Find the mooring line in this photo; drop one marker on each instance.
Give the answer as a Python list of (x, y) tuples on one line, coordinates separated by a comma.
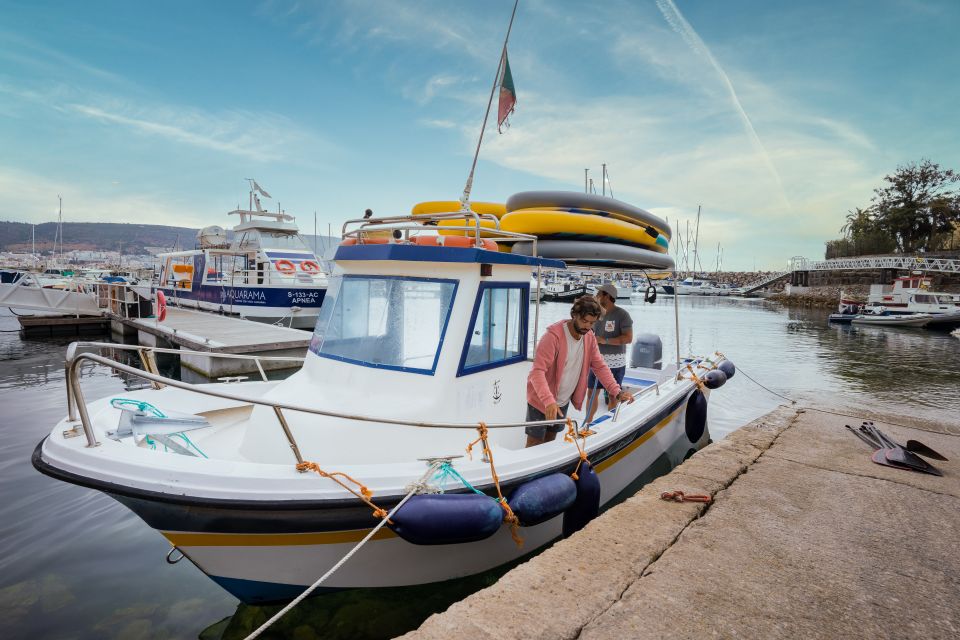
[(420, 484)]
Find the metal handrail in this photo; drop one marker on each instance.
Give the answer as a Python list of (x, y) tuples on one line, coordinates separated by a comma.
[(73, 383), (73, 346)]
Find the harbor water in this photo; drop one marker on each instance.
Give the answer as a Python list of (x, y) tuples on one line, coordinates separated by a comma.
[(76, 564)]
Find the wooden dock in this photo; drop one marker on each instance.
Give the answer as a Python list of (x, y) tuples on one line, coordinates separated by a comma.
[(212, 333)]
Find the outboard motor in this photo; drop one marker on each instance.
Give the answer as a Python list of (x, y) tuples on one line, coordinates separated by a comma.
[(647, 352)]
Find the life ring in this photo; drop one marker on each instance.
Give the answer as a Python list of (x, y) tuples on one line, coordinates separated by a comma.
[(310, 266), (161, 306), (462, 242), (285, 266)]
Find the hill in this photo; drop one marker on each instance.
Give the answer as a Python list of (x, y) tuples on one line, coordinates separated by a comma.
[(108, 236), (94, 236)]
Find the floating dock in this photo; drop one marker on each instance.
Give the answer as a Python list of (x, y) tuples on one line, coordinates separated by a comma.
[(41, 325), (806, 538), (212, 333)]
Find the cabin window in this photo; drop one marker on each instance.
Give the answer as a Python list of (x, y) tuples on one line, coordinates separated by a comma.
[(498, 328), (389, 322), (281, 240)]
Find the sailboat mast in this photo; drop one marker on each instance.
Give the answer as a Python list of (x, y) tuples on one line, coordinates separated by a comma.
[(696, 243)]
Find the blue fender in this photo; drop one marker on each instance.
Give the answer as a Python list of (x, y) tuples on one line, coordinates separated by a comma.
[(714, 379), (541, 499), (586, 507), (696, 416), (450, 518), (727, 367)]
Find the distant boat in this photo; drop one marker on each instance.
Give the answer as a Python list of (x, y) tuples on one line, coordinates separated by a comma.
[(891, 320), (909, 295), (562, 292), (267, 274)]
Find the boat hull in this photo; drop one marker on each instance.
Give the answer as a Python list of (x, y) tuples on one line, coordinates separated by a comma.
[(292, 307), (892, 321), (265, 551)]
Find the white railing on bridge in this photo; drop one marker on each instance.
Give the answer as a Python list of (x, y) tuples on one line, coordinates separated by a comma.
[(907, 263)]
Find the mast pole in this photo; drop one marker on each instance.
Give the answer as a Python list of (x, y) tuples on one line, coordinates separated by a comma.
[(603, 179), (696, 243), (586, 181), (465, 199)]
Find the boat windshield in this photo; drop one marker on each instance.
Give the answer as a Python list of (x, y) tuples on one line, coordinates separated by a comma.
[(388, 322), (280, 240)]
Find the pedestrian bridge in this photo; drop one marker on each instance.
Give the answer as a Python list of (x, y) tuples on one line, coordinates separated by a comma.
[(906, 263)]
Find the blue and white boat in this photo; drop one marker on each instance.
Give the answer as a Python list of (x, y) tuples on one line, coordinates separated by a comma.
[(422, 347), (267, 273)]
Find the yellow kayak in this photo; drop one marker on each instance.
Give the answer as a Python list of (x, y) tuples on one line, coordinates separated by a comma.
[(452, 206), (559, 225)]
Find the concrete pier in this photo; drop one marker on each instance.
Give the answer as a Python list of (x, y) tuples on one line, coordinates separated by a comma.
[(806, 538)]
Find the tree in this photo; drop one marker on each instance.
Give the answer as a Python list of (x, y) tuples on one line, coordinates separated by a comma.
[(917, 207)]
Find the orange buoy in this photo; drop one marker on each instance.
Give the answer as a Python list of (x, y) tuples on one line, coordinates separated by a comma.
[(161, 306), (310, 266), (285, 266)]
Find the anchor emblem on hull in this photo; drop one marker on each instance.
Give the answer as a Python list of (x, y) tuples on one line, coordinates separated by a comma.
[(496, 392)]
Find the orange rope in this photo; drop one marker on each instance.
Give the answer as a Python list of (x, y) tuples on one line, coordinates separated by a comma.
[(696, 379), (572, 436), (509, 517), (365, 494), (680, 496)]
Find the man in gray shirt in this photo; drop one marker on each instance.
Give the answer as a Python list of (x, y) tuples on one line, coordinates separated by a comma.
[(614, 331)]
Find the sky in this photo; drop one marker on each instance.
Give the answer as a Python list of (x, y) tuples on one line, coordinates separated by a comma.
[(775, 117)]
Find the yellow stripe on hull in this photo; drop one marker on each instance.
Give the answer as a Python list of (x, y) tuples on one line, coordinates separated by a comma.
[(633, 446), (543, 222), (271, 539)]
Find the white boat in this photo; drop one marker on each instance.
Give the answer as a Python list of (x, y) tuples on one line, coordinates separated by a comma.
[(892, 320), (267, 274), (417, 347), (910, 295), (696, 287)]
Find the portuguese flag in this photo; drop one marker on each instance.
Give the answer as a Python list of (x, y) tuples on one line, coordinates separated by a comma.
[(508, 96)]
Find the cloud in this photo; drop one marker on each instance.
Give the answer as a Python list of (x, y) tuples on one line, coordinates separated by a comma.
[(258, 136), (28, 197), (439, 124), (44, 60), (228, 137), (422, 94)]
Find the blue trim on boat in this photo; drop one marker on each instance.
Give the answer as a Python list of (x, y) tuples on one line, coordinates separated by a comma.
[(463, 370), (391, 367), (246, 297), (639, 381), (417, 253), (256, 592)]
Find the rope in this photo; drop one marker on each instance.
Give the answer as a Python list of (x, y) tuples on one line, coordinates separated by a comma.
[(510, 517), (680, 496), (833, 413), (365, 494), (790, 400), (418, 486), (696, 379), (447, 470), (574, 437)]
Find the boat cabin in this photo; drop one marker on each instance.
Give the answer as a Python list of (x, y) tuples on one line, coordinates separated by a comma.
[(414, 334)]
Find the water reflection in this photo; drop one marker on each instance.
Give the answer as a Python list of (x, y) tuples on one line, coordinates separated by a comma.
[(56, 540)]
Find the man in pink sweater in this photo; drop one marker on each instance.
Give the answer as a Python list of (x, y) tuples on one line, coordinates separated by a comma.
[(565, 355)]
